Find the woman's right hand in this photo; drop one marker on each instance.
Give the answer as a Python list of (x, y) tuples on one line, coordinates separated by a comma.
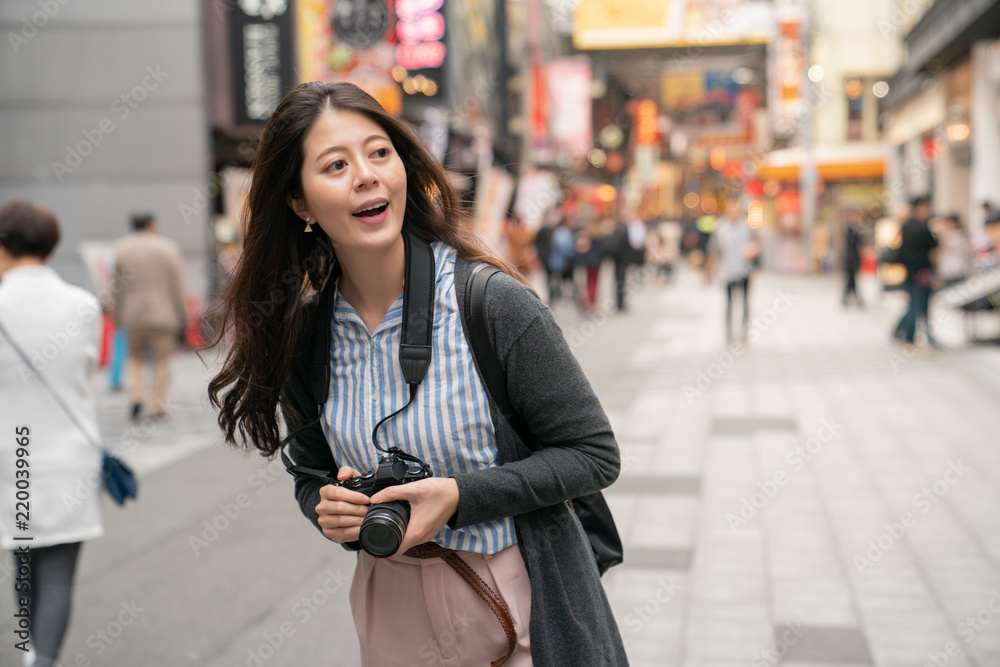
[(341, 510)]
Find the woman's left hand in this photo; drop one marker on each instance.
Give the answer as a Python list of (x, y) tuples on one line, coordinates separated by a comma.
[(432, 502)]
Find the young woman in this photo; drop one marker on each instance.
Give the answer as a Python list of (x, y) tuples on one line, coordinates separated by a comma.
[(338, 187)]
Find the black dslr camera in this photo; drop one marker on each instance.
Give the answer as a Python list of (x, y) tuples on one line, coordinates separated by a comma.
[(385, 524)]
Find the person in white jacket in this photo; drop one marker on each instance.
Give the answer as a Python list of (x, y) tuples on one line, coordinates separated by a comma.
[(50, 475)]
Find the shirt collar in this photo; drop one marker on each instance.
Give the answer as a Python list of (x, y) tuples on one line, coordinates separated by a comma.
[(29, 272), (343, 313)]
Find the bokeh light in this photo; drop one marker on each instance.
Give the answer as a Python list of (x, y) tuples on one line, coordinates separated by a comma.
[(597, 157), (755, 214), (607, 193)]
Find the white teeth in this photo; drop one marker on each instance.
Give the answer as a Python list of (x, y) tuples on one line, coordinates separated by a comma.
[(370, 208)]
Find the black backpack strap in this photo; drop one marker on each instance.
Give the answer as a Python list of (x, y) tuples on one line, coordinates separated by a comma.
[(319, 368), (418, 321), (482, 350), (592, 509)]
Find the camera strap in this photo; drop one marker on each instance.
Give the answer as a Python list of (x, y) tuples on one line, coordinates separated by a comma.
[(415, 340), (418, 326)]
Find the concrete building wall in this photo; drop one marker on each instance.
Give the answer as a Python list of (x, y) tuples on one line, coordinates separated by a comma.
[(985, 128), (851, 37), (951, 183), (103, 112)]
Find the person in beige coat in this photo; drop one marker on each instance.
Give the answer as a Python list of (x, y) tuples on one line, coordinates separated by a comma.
[(148, 291)]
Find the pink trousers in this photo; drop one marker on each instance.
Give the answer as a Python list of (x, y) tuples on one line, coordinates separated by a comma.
[(414, 612)]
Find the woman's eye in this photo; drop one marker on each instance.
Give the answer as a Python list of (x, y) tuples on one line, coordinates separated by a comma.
[(336, 165), (382, 152)]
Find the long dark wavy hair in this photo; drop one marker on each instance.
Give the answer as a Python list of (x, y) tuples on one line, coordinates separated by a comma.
[(261, 310)]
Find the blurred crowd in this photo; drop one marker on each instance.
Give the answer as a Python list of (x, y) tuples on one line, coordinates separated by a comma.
[(915, 250)]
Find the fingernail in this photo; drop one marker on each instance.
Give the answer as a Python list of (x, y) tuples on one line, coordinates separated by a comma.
[(376, 498)]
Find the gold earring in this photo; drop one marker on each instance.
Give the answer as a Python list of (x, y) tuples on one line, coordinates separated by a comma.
[(308, 225)]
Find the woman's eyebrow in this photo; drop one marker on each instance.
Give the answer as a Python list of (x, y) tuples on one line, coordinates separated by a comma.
[(333, 149)]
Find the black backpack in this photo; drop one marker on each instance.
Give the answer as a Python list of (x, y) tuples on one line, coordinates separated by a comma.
[(592, 509)]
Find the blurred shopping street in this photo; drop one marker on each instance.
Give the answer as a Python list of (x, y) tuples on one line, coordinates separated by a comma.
[(818, 497)]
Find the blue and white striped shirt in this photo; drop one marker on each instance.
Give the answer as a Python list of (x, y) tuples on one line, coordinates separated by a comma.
[(448, 425)]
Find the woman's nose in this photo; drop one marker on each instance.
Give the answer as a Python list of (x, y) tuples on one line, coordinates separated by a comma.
[(366, 174)]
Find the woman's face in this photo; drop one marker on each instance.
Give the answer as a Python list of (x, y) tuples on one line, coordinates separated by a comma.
[(353, 182)]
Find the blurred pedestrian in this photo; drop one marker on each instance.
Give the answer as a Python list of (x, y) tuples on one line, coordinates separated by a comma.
[(334, 205), (853, 242), (148, 290), (638, 232), (119, 353), (618, 248), (519, 243), (954, 252), (57, 326), (734, 248), (915, 245), (990, 214), (590, 243), (562, 262), (664, 246), (705, 226), (543, 248)]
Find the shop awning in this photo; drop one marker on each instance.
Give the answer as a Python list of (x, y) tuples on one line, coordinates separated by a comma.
[(851, 162)]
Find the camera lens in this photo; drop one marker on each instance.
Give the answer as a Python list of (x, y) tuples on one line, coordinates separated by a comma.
[(383, 528)]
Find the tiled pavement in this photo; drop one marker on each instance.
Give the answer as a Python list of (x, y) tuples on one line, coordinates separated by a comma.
[(819, 497)]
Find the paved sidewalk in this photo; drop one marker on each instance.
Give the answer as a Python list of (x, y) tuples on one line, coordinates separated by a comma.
[(190, 427), (816, 497)]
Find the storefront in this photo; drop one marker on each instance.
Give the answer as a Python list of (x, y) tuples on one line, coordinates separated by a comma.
[(848, 176)]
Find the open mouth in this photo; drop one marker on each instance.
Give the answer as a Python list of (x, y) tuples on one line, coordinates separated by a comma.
[(371, 211)]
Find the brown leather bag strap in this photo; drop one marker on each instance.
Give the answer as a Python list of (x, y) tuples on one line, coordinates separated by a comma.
[(482, 589)]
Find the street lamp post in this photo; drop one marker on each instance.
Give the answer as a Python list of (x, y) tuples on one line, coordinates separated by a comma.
[(807, 174)]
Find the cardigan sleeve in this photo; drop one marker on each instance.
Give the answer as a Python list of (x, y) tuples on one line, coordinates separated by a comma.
[(309, 447), (577, 453)]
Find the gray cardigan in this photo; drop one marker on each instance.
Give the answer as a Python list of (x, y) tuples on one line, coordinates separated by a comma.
[(571, 621)]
